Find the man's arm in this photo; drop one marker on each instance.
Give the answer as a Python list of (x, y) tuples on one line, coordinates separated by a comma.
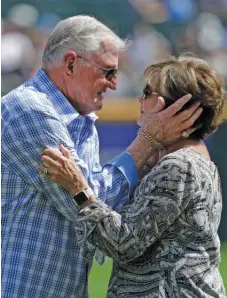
[(115, 181), (23, 141)]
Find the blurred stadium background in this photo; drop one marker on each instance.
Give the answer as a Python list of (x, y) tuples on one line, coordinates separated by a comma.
[(156, 28)]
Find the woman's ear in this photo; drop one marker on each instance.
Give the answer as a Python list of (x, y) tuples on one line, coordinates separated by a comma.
[(160, 105)]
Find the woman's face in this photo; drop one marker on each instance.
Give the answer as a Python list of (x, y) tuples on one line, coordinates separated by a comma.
[(148, 101)]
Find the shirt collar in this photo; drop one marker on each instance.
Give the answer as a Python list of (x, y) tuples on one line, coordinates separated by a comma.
[(58, 99)]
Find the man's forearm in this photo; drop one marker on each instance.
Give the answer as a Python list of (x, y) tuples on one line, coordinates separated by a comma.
[(140, 150)]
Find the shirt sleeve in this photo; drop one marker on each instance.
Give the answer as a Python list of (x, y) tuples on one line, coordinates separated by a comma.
[(158, 201), (23, 141), (114, 182)]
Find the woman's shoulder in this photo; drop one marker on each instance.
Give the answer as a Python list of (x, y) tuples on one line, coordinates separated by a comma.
[(173, 173), (184, 166), (186, 158), (181, 159)]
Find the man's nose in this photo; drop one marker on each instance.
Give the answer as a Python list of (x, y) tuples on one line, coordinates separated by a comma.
[(112, 83), (140, 99)]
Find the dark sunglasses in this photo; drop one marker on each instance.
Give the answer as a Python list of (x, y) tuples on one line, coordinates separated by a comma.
[(147, 92), (109, 73)]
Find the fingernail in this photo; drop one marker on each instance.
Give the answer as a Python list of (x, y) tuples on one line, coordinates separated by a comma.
[(189, 96)]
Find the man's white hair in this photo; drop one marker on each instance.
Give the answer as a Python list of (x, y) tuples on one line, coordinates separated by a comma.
[(82, 34)]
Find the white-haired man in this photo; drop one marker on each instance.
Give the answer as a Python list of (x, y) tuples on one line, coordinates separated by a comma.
[(41, 252)]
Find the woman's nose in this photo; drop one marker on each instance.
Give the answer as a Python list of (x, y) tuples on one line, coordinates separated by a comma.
[(140, 98)]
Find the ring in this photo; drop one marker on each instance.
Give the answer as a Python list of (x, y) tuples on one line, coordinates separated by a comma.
[(185, 134), (45, 171), (45, 165)]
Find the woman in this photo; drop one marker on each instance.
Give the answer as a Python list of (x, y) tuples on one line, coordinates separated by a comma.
[(164, 243)]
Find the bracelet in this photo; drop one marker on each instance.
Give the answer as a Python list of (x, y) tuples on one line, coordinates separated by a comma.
[(152, 142)]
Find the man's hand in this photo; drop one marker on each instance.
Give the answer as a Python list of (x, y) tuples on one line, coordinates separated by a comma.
[(62, 169), (166, 126)]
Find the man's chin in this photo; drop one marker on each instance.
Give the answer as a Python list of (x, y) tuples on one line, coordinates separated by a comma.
[(98, 104)]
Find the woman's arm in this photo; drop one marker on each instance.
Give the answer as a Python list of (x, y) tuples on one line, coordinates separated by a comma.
[(159, 199)]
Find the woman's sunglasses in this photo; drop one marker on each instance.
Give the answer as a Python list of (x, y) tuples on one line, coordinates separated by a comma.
[(147, 92)]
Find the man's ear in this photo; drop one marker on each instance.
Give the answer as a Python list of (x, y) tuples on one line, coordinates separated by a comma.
[(70, 67), (69, 59)]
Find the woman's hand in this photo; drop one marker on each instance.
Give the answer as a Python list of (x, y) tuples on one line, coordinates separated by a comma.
[(62, 169)]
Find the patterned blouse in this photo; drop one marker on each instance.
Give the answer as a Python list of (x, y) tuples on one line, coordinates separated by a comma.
[(164, 243)]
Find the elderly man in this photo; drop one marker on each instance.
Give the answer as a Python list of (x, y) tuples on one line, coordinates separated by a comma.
[(41, 252)]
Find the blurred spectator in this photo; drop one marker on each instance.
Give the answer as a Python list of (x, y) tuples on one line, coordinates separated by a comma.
[(183, 12), (162, 27), (17, 52)]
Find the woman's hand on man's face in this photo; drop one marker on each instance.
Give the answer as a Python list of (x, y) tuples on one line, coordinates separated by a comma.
[(61, 168)]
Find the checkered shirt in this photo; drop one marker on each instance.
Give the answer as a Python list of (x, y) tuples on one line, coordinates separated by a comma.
[(42, 255)]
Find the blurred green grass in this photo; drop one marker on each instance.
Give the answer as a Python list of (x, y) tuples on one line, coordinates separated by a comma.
[(99, 275)]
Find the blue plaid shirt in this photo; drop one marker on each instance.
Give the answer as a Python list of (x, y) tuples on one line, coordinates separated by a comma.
[(42, 255)]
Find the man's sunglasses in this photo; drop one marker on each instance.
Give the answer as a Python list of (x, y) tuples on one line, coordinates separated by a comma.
[(147, 92), (109, 73)]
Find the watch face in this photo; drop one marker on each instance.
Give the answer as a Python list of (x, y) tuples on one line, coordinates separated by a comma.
[(80, 198)]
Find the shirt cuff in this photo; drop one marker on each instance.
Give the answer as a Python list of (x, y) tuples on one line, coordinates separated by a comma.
[(125, 163)]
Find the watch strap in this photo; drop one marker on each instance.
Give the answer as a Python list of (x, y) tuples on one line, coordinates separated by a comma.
[(83, 196)]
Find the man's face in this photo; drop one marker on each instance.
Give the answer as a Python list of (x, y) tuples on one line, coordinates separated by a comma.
[(90, 79)]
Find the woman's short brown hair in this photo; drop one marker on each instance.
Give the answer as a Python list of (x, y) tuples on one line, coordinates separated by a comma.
[(176, 77)]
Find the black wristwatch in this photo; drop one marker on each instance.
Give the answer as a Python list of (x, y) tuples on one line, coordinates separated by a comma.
[(83, 196)]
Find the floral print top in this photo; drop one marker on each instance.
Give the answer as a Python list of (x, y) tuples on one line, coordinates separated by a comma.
[(164, 243)]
